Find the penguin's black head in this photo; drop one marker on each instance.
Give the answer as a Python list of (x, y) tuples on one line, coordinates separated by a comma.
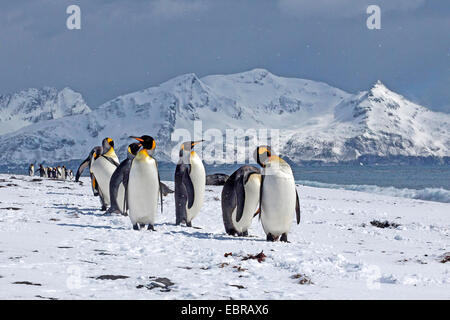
[(107, 144), (96, 152), (188, 146), (262, 154), (147, 142), (134, 148)]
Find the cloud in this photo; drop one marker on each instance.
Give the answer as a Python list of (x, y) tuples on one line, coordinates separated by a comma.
[(343, 8), (168, 9)]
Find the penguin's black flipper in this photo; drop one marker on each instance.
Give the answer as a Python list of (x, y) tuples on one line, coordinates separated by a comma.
[(81, 168), (159, 184), (261, 195), (297, 206), (114, 184), (94, 186), (180, 194), (126, 178), (240, 196), (228, 203), (189, 186)]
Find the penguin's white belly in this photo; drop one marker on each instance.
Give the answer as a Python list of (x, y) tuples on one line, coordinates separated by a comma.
[(198, 178), (103, 170), (250, 205), (121, 196), (277, 204), (143, 191)]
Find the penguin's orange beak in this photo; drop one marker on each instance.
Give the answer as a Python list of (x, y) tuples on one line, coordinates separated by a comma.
[(137, 138)]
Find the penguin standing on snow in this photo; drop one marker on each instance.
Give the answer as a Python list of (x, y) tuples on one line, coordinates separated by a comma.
[(70, 174), (240, 199), (31, 170), (59, 173), (190, 180), (102, 168), (87, 163), (119, 181), (278, 195), (42, 171), (144, 186)]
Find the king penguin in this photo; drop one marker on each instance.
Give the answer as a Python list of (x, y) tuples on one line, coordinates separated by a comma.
[(240, 199), (31, 170), (144, 186), (102, 168), (119, 181), (87, 163), (42, 171), (278, 195), (190, 181)]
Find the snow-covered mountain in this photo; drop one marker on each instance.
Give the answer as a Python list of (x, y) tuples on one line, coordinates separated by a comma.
[(378, 122), (30, 106), (315, 121)]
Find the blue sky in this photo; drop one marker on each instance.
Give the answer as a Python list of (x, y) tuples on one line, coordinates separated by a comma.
[(124, 46)]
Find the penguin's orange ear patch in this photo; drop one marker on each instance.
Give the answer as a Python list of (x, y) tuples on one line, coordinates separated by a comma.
[(263, 150), (153, 145)]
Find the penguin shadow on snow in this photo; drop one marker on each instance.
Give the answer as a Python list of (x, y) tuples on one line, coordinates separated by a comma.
[(76, 210), (90, 226), (214, 236)]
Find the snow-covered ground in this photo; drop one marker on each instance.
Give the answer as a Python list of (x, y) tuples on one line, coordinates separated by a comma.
[(55, 243)]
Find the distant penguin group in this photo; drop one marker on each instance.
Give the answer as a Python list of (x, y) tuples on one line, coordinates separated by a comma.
[(59, 172), (133, 187)]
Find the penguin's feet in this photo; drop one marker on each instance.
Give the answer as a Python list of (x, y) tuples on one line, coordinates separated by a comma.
[(136, 227), (270, 237), (103, 208), (284, 238), (245, 233), (188, 224), (112, 210), (150, 227)]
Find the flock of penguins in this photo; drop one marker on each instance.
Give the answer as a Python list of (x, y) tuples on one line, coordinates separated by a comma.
[(133, 188), (60, 173)]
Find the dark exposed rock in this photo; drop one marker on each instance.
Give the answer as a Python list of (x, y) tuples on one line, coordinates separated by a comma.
[(445, 257), (48, 298), (165, 189), (163, 284), (260, 257), (384, 224), (111, 277), (28, 283), (217, 179), (303, 279)]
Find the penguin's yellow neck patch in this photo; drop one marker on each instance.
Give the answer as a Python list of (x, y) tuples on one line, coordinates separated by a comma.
[(193, 153), (276, 159), (110, 153), (143, 154)]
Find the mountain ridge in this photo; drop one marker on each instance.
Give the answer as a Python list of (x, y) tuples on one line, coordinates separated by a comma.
[(317, 122)]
